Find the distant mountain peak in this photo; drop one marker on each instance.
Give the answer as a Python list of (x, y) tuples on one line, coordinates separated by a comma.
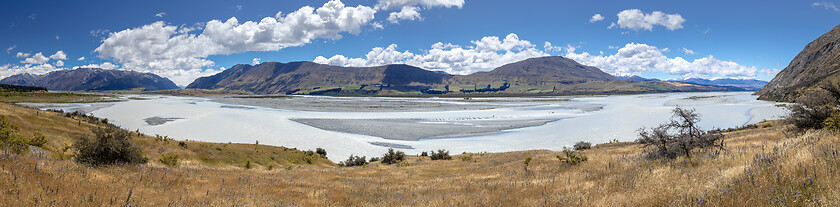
[(87, 79)]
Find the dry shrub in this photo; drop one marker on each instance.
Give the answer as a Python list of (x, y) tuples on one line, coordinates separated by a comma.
[(679, 136)]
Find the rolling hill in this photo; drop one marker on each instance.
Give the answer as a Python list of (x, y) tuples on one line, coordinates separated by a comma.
[(818, 63)]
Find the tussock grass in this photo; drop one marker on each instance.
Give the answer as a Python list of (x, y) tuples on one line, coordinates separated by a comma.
[(762, 166)]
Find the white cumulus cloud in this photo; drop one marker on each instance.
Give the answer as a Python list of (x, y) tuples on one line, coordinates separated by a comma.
[(59, 63), (633, 59), (36, 59), (160, 14), (9, 51), (9, 70), (81, 58), (159, 47), (485, 54), (636, 19), (255, 61), (410, 9), (105, 65), (60, 55), (22, 55), (826, 5), (688, 52), (407, 13), (595, 18), (387, 5)]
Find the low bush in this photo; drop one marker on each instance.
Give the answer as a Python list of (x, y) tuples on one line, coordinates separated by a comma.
[(811, 110), (582, 145), (38, 139), (169, 159), (354, 161), (424, 154), (527, 162), (374, 159), (10, 140), (440, 155), (110, 145), (572, 157), (248, 164), (393, 157), (321, 151), (182, 144)]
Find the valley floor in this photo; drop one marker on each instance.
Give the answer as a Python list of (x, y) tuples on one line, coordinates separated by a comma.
[(762, 166)]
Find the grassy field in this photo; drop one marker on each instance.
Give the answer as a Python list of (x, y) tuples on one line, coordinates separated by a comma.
[(764, 166), (54, 97)]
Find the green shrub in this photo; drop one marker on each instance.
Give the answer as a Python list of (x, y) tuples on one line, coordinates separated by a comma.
[(393, 157), (321, 151), (355, 161), (248, 164), (572, 157), (832, 123), (10, 140), (424, 154), (582, 145), (440, 155), (374, 159), (182, 144), (811, 110), (169, 159), (110, 145), (527, 162), (38, 139)]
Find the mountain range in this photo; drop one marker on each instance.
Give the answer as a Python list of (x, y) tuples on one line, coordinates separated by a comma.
[(749, 84), (91, 79), (817, 64), (542, 75)]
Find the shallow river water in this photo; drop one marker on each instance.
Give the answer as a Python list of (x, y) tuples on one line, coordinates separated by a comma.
[(343, 127)]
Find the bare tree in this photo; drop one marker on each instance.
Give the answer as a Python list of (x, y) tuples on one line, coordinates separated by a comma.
[(679, 136)]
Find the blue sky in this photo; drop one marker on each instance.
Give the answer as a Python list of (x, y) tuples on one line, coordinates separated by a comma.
[(183, 40)]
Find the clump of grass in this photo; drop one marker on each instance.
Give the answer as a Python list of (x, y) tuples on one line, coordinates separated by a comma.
[(169, 159), (110, 145)]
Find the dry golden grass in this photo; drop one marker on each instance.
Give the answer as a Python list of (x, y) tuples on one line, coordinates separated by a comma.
[(53, 97), (762, 167)]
